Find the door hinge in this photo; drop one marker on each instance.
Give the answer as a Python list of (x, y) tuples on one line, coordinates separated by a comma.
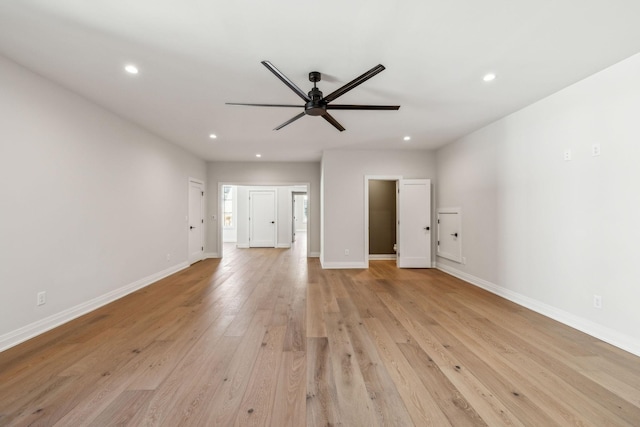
[(438, 221), (202, 193), (202, 248), (438, 242)]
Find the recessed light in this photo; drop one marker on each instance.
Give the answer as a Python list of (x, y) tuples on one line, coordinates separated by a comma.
[(131, 69), (213, 136), (258, 155), (407, 138), (489, 77)]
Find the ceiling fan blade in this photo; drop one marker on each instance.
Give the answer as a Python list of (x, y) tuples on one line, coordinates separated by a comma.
[(286, 81), (290, 121), (328, 117), (264, 105), (355, 82), (362, 107)]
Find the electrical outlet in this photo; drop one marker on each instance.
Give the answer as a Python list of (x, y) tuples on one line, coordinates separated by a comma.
[(595, 150), (346, 251), (567, 155), (597, 301), (42, 298)]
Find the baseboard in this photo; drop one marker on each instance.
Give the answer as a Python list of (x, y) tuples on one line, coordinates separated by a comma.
[(283, 245), (343, 265), (208, 255), (34, 329), (313, 255), (596, 330), (374, 257), (242, 246)]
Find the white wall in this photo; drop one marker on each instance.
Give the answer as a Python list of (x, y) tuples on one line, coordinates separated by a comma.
[(550, 233), (263, 173), (90, 205), (343, 175)]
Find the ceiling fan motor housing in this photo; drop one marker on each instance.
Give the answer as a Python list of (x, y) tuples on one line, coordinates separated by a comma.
[(315, 76), (317, 106)]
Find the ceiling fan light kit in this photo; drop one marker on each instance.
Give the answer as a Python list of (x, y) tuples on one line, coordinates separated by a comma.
[(317, 105)]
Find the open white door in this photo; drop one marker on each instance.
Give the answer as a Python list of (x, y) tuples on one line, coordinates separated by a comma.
[(196, 221), (262, 219), (414, 223)]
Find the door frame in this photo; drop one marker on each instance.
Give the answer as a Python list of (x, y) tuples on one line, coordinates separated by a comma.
[(368, 178), (202, 216), (219, 206)]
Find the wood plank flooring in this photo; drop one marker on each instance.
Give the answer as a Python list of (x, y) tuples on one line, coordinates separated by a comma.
[(266, 337)]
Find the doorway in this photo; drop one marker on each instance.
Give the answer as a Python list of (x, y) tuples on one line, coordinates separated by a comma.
[(241, 211), (412, 222), (382, 219)]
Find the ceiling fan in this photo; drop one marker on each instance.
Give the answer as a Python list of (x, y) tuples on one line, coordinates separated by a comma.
[(315, 103)]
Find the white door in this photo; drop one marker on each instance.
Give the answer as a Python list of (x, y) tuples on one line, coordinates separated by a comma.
[(196, 221), (262, 219), (414, 223)]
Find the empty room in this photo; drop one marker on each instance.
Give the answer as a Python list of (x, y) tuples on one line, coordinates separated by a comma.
[(292, 213)]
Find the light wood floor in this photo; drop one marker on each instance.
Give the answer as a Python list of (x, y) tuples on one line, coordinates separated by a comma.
[(265, 337)]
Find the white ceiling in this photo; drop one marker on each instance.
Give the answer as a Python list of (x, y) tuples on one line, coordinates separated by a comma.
[(195, 55)]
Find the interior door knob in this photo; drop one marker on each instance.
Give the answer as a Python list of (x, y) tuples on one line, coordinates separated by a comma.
[(454, 234), (427, 228), (273, 222), (191, 227)]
